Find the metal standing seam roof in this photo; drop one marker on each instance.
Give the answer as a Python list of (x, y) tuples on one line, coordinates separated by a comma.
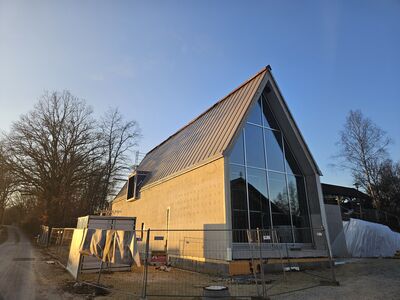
[(205, 137)]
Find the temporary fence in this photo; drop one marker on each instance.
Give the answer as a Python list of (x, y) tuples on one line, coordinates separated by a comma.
[(58, 241), (242, 263), (44, 235)]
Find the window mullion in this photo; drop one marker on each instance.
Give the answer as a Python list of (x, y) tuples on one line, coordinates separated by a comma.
[(247, 184), (287, 188), (266, 166)]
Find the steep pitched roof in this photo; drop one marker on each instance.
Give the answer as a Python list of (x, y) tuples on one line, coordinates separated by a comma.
[(209, 136), (205, 137)]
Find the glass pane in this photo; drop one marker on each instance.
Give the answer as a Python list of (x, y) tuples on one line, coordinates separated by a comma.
[(279, 199), (274, 150), (237, 153), (280, 206), (239, 225), (255, 114), (254, 146), (298, 205), (238, 187), (255, 220), (268, 117), (266, 219), (291, 164), (257, 187)]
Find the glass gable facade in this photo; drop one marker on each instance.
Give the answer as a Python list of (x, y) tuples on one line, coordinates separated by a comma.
[(267, 185)]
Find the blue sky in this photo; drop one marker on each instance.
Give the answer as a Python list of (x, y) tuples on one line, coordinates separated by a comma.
[(164, 62)]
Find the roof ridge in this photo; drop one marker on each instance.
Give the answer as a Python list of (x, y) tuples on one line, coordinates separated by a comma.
[(266, 68)]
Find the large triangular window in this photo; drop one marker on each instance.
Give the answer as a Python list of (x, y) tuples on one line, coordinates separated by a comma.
[(267, 185)]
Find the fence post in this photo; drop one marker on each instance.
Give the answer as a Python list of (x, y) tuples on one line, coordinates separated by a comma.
[(48, 236), (60, 241), (261, 264), (334, 281), (146, 266), (101, 268), (251, 248)]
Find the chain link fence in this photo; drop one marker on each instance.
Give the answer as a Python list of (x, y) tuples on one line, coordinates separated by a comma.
[(239, 263)]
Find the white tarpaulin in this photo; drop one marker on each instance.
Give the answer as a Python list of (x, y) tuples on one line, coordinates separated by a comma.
[(367, 239), (115, 246)]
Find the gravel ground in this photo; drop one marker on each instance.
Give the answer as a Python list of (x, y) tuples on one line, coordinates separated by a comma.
[(359, 279)]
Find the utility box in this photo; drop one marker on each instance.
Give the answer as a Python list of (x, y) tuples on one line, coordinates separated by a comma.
[(78, 263)]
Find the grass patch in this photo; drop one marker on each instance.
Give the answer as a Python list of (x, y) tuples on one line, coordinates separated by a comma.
[(3, 234)]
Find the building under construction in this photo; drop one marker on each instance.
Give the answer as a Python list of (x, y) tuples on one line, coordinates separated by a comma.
[(242, 164)]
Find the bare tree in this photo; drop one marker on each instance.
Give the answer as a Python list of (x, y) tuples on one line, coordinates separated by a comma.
[(389, 186), (65, 162), (51, 148), (7, 183), (363, 148), (118, 138)]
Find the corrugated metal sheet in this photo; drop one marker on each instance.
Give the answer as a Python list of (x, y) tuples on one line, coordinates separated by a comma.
[(205, 137)]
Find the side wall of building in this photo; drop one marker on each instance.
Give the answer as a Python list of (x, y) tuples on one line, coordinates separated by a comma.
[(195, 200)]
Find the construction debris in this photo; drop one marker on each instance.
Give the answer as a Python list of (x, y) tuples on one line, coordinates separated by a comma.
[(164, 268)]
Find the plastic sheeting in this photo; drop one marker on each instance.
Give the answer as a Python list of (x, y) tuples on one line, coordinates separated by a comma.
[(124, 249), (367, 239), (115, 246)]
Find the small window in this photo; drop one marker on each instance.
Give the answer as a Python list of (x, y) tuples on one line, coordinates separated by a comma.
[(131, 186), (135, 182)]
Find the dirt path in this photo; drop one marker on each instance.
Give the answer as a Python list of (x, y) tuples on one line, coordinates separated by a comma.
[(24, 273), (17, 281)]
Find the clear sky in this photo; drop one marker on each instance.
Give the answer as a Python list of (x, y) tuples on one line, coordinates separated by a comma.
[(164, 62)]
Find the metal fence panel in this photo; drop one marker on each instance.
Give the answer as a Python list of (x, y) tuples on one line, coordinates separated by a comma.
[(181, 263)]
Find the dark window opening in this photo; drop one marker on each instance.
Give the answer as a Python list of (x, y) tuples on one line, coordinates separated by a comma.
[(135, 182)]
